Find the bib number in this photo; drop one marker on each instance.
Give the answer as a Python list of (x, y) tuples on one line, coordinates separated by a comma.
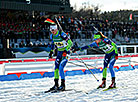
[(106, 48), (61, 44)]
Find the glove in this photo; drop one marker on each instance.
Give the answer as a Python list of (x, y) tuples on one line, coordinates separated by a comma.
[(74, 49), (64, 53), (51, 54), (116, 56)]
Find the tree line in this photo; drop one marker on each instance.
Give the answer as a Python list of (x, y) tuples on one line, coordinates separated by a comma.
[(95, 13)]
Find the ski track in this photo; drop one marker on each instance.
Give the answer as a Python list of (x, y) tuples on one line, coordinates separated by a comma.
[(83, 89)]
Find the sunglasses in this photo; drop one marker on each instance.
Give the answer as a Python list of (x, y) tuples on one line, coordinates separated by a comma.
[(52, 30)]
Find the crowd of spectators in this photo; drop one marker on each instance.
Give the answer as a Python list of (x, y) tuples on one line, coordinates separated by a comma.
[(26, 26)]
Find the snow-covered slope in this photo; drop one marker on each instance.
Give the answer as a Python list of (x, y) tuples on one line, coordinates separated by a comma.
[(83, 89)]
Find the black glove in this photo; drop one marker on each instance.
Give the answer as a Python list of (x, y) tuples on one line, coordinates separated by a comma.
[(51, 54)]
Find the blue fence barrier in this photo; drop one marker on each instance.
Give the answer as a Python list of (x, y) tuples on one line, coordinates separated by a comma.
[(67, 73)]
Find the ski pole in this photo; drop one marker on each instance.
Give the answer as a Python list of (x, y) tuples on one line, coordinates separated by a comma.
[(97, 50), (81, 65), (76, 64), (59, 25), (95, 28), (87, 66), (77, 54)]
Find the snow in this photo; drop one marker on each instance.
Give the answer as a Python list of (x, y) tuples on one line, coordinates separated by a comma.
[(83, 89)]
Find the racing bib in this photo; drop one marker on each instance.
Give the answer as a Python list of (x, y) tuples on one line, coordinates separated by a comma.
[(61, 44), (106, 47)]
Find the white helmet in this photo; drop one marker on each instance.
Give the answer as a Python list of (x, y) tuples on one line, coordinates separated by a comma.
[(53, 27)]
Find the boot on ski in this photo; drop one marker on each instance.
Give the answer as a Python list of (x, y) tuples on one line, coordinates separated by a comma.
[(62, 86), (103, 85), (113, 84), (55, 87)]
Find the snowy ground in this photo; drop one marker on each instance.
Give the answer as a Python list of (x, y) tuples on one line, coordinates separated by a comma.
[(83, 89)]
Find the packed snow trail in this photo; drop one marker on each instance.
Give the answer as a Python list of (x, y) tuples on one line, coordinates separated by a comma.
[(83, 89)]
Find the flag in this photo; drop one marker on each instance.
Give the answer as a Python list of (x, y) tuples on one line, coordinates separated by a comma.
[(130, 17), (49, 21)]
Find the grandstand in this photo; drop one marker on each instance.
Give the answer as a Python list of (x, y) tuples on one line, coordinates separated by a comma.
[(23, 21), (22, 25)]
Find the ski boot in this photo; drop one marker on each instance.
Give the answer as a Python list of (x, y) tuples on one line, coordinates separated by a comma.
[(55, 87), (103, 85), (62, 86), (113, 84)]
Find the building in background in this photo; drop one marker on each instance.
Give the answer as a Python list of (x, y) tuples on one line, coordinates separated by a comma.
[(48, 6)]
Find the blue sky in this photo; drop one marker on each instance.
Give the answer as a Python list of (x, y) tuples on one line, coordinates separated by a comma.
[(108, 5)]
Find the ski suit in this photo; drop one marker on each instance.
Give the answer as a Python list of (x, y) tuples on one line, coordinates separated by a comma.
[(63, 43), (110, 49)]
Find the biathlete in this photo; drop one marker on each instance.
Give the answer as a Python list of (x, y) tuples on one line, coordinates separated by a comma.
[(111, 55), (63, 43)]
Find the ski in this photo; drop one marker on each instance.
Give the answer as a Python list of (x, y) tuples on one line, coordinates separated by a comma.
[(110, 89), (93, 91), (56, 91), (49, 91)]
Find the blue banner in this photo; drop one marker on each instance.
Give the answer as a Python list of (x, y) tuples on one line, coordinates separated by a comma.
[(32, 49)]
